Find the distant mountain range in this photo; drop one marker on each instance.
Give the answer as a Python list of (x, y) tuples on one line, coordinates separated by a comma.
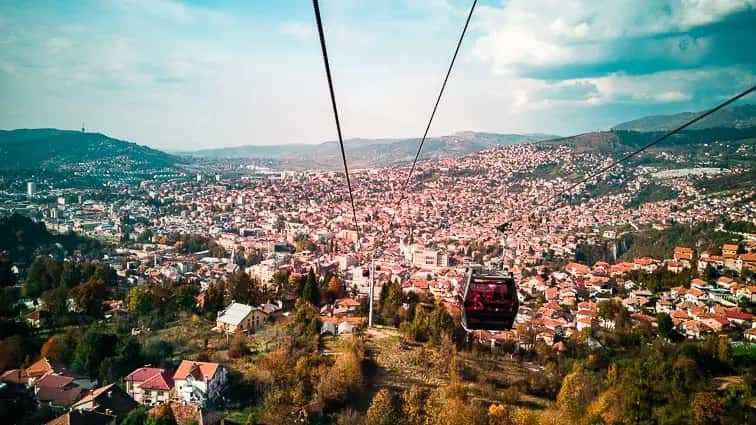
[(31, 149), (367, 153), (51, 149), (733, 117)]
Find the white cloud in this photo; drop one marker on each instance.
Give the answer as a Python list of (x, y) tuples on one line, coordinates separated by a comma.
[(527, 33), (298, 30)]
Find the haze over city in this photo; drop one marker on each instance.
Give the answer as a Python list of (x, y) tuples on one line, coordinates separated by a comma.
[(196, 74)]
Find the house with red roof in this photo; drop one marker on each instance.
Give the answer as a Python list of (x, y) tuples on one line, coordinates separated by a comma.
[(683, 253), (149, 385), (739, 318), (695, 295), (577, 269), (197, 382), (646, 264)]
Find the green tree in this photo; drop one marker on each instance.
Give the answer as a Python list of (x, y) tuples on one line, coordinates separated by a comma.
[(137, 416), (44, 274), (311, 292), (56, 303), (214, 298), (666, 326), (242, 289), (70, 275), (186, 297), (7, 278), (93, 347)]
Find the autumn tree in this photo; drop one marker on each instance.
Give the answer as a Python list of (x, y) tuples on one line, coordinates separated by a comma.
[(162, 415), (335, 289), (724, 350), (456, 411), (498, 414), (138, 300), (238, 346), (577, 391), (89, 296), (349, 417), (706, 408), (383, 409), (414, 401), (52, 348), (345, 377)]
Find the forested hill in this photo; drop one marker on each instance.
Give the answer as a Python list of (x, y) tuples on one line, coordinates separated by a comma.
[(22, 238), (32, 149), (733, 117)]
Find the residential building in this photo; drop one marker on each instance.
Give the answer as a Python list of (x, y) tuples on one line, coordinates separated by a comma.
[(198, 382), (149, 385), (240, 317)]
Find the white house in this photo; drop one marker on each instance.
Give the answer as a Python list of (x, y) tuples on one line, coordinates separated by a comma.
[(198, 382), (240, 317)]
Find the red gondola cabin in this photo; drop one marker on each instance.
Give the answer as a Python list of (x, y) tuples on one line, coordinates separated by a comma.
[(490, 301)]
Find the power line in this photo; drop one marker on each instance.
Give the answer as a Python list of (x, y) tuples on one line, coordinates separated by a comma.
[(430, 121), (655, 142), (323, 49)]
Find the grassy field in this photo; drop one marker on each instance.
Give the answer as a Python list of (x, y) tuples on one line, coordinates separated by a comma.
[(744, 349), (394, 363), (400, 364)]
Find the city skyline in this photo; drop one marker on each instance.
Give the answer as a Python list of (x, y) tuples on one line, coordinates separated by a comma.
[(191, 75)]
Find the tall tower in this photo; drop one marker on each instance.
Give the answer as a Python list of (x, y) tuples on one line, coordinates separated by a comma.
[(82, 128), (31, 189)]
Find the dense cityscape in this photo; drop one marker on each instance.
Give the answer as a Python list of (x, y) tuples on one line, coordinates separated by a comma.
[(446, 212), (233, 250)]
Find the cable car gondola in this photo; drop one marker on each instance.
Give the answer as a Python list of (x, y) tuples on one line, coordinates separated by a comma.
[(490, 300)]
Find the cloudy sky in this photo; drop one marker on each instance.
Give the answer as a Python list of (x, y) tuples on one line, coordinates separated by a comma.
[(182, 75)]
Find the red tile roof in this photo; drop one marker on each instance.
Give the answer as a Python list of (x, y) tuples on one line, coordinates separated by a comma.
[(201, 370)]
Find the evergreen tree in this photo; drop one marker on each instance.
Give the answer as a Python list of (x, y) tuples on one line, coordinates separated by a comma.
[(666, 327), (311, 292)]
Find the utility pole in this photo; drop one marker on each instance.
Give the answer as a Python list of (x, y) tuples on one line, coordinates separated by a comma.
[(370, 296)]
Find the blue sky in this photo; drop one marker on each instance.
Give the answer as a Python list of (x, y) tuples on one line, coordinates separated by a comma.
[(185, 75)]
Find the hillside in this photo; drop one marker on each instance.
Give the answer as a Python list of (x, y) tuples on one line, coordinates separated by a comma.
[(734, 117), (22, 238), (31, 149), (363, 153)]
